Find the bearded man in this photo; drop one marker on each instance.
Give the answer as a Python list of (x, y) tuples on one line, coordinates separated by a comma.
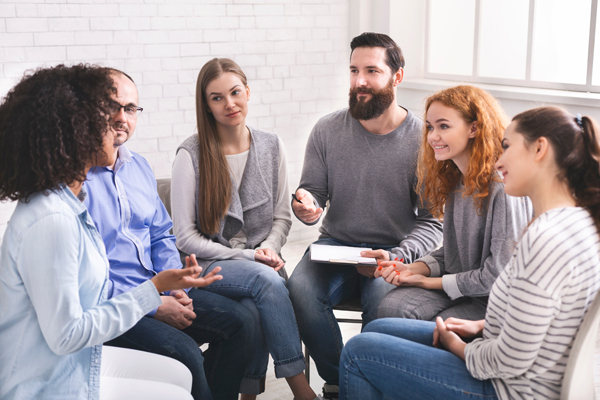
[(362, 162)]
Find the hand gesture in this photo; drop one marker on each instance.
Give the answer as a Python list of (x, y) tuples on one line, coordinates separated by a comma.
[(305, 208), (172, 279), (269, 257)]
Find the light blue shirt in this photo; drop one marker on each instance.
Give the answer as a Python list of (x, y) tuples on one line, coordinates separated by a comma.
[(54, 315), (132, 221)]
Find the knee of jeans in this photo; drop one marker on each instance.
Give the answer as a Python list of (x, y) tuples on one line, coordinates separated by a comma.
[(272, 280)]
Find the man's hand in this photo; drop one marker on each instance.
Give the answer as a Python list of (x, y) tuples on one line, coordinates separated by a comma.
[(369, 270), (174, 313), (445, 339), (305, 208), (269, 257), (182, 298)]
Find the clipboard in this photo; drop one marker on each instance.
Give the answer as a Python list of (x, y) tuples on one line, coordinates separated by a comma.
[(322, 253)]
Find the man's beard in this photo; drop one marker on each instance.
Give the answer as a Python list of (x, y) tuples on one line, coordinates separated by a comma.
[(366, 110), (120, 140)]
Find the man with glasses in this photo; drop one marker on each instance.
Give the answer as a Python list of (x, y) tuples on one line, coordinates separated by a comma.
[(135, 227)]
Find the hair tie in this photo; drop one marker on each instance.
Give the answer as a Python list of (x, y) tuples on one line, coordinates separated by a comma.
[(579, 121)]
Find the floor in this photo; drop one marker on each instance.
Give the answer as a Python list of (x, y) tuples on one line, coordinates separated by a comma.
[(277, 389)]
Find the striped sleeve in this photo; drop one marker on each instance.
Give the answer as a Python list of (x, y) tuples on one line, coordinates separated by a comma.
[(530, 311)]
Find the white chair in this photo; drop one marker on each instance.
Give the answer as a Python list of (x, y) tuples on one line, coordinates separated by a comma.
[(578, 382), (127, 374)]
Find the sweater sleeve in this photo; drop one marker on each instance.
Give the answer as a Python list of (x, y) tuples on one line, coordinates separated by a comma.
[(435, 262), (314, 171), (508, 217), (282, 215), (425, 235), (183, 210), (529, 314)]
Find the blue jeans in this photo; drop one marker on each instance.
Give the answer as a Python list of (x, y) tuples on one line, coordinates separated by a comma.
[(277, 333), (314, 289), (223, 323), (394, 359)]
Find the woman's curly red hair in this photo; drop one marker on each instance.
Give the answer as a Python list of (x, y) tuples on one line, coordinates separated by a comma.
[(437, 179)]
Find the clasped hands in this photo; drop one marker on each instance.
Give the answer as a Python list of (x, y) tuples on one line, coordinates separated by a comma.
[(269, 257), (449, 334)]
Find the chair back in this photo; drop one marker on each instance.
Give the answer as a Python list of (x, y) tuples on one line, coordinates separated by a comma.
[(578, 381), (163, 186)]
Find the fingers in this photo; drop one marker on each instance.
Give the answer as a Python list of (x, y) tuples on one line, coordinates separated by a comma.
[(436, 337), (380, 255), (261, 257), (213, 272), (190, 261), (439, 323)]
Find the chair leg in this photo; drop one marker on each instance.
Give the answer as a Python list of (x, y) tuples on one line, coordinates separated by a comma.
[(307, 361)]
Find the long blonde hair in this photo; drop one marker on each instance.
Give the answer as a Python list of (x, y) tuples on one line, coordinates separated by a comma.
[(214, 194), (437, 179)]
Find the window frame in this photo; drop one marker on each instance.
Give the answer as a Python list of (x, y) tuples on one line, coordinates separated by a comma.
[(527, 82)]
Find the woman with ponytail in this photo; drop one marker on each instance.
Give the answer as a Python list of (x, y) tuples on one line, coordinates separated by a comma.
[(231, 208), (537, 303), (458, 180)]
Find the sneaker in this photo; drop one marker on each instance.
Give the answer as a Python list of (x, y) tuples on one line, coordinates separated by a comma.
[(330, 392)]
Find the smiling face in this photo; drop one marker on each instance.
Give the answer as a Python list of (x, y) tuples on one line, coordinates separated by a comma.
[(372, 84), (127, 95), (449, 134), (517, 162), (227, 98)]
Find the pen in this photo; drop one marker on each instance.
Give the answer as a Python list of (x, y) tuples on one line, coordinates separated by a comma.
[(295, 198)]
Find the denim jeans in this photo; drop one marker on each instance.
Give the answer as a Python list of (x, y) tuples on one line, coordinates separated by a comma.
[(243, 280), (314, 289), (223, 323), (394, 359)]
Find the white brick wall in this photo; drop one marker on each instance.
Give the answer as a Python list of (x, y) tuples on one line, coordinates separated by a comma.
[(295, 53)]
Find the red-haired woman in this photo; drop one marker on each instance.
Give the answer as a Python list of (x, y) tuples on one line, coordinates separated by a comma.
[(538, 302), (457, 179)]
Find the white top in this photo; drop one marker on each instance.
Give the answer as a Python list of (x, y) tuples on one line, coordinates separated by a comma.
[(183, 206), (537, 305)]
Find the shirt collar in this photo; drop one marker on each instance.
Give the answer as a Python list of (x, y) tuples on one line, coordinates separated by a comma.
[(124, 156), (68, 197)]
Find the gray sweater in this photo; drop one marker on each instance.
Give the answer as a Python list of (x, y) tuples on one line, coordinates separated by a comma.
[(369, 181), (476, 248)]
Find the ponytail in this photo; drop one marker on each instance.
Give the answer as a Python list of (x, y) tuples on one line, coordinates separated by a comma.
[(576, 148), (585, 181)]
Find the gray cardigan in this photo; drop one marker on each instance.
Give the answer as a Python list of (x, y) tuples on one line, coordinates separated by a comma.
[(251, 208), (476, 248)]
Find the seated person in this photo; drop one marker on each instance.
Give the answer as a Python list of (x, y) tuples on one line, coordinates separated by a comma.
[(54, 307), (458, 180), (135, 227), (230, 208), (522, 347), (360, 162)]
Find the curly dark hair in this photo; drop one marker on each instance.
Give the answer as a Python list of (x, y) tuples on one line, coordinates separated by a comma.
[(51, 126)]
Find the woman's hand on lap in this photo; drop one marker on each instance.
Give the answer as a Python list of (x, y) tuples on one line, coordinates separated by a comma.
[(465, 328), (269, 257), (445, 339)]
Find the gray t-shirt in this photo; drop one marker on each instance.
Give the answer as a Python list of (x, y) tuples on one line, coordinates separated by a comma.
[(477, 247), (368, 181)]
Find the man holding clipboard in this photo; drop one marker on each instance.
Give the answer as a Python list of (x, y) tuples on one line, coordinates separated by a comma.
[(360, 162)]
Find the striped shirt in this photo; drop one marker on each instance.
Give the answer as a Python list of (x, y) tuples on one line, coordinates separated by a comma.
[(536, 306)]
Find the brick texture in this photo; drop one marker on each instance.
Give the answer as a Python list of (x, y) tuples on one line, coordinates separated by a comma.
[(293, 51)]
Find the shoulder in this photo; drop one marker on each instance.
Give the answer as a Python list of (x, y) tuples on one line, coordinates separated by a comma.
[(190, 144), (412, 122), (335, 120), (39, 209)]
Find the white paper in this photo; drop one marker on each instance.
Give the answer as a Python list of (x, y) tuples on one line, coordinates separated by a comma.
[(339, 254)]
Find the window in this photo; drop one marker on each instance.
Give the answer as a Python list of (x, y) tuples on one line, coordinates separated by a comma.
[(535, 43)]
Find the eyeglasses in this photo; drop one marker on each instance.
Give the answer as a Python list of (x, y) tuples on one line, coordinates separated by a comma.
[(131, 111)]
